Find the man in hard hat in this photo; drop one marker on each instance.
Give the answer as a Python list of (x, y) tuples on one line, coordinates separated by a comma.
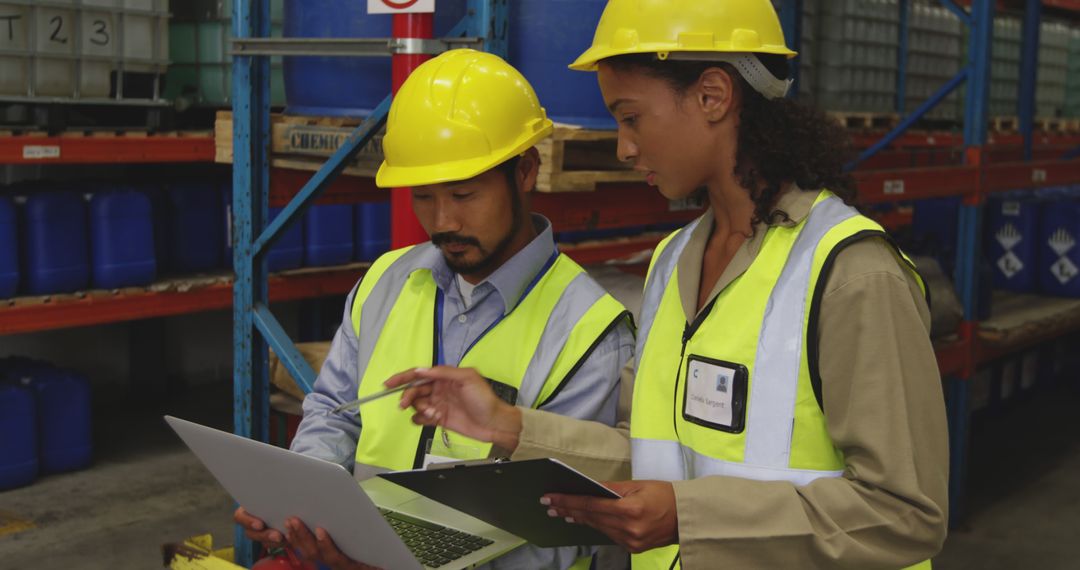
[(489, 294)]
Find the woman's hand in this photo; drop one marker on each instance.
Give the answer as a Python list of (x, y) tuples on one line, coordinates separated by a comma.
[(460, 400), (644, 518)]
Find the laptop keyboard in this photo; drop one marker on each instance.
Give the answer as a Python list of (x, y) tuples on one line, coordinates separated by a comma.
[(432, 544)]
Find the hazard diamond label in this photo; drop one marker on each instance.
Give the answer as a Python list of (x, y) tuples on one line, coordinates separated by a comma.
[(1064, 270), (1010, 264), (1008, 236), (1061, 241)]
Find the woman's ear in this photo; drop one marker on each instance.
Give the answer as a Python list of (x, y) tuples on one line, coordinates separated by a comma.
[(716, 93)]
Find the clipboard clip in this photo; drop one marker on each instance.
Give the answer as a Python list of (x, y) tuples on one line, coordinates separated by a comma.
[(465, 463)]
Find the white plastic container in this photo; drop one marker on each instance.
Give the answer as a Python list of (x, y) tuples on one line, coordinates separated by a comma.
[(72, 49), (935, 56), (1053, 69), (856, 55)]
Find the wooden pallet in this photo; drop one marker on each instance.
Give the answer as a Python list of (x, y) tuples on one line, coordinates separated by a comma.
[(1055, 125), (865, 121), (1004, 124), (572, 160)]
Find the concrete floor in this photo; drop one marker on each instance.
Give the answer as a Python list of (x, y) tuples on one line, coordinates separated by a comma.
[(146, 489)]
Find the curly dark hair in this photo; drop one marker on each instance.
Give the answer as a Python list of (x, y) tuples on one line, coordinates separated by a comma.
[(779, 141)]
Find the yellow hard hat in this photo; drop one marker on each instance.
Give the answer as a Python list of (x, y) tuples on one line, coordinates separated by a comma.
[(664, 27), (459, 115)]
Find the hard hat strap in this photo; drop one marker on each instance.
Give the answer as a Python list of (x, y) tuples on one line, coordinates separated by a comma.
[(749, 66)]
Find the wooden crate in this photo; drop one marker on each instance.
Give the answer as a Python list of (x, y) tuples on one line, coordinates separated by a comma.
[(572, 159), (303, 143)]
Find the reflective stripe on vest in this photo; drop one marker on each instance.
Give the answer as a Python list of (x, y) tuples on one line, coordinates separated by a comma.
[(534, 349), (759, 321)]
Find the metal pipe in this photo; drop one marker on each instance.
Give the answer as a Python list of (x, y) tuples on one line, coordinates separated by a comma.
[(405, 229)]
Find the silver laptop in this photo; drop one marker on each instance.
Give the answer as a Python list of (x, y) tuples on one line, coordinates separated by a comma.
[(376, 522)]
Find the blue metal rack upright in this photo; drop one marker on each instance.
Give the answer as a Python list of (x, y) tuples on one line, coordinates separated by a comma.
[(254, 326)]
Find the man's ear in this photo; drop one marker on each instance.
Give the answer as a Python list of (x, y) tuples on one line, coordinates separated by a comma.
[(528, 168), (716, 93)]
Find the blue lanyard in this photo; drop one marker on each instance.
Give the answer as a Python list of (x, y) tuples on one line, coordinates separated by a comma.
[(440, 359)]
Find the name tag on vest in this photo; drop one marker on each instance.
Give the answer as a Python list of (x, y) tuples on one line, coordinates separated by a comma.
[(715, 394)]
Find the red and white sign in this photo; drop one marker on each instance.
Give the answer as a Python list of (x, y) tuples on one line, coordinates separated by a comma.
[(399, 6)]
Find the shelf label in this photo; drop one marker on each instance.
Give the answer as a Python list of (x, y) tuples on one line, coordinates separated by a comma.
[(894, 187), (400, 6), (323, 141), (1038, 175), (39, 152)]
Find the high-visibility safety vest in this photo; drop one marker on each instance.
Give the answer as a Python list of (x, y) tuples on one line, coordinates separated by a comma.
[(746, 394), (529, 355)]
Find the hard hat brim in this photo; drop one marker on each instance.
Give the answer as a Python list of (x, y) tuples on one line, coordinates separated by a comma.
[(588, 61), (409, 176)]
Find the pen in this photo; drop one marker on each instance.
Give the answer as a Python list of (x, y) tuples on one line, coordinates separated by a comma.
[(360, 401)]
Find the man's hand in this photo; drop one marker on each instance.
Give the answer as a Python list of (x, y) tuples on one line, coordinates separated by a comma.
[(644, 518), (319, 547), (255, 529), (460, 400)]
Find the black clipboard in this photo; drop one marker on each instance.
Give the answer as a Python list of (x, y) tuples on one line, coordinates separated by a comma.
[(506, 494)]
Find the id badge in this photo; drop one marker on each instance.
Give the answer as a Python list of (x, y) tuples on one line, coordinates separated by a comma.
[(715, 394)]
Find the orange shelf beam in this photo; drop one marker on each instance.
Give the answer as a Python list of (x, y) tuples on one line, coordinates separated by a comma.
[(107, 148), (100, 307)]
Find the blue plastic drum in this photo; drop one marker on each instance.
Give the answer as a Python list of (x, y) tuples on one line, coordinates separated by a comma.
[(196, 229), (63, 400), (372, 230), (54, 243), (344, 86), (545, 37), (9, 249), (122, 239), (1012, 233), (328, 238), (18, 442)]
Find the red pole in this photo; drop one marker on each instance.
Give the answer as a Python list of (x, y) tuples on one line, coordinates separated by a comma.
[(405, 230)]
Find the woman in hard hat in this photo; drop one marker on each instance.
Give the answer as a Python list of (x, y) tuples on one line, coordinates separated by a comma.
[(787, 409)]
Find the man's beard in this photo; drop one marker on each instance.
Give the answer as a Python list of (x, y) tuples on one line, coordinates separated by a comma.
[(487, 260)]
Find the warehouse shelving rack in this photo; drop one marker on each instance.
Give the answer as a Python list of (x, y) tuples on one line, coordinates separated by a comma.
[(168, 297), (990, 163)]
